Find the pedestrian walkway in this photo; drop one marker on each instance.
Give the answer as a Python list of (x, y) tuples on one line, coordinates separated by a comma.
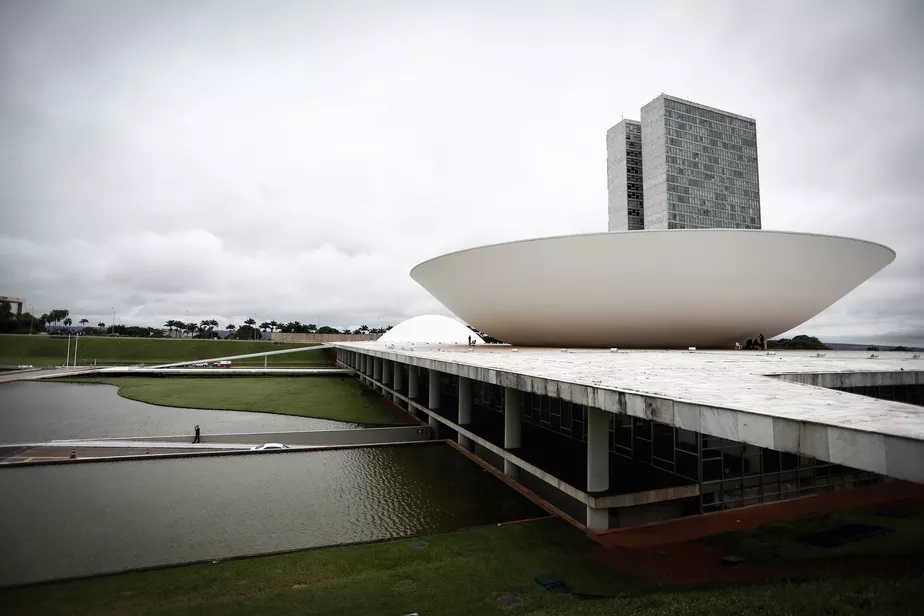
[(43, 373), (83, 450)]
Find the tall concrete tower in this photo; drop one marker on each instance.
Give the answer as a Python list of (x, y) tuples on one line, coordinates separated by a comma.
[(624, 176), (684, 166), (699, 167)]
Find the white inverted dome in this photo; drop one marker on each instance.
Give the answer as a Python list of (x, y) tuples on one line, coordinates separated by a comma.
[(430, 329), (654, 289)]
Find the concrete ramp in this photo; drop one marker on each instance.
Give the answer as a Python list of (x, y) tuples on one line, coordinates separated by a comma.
[(118, 371), (316, 347)]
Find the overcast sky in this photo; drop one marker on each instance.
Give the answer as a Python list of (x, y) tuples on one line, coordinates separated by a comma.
[(285, 160)]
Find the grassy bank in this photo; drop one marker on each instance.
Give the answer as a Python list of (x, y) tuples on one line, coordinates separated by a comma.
[(454, 574), (901, 533), (325, 397), (51, 350)]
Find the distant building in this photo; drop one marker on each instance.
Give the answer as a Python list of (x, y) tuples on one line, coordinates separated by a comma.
[(698, 165), (16, 303)]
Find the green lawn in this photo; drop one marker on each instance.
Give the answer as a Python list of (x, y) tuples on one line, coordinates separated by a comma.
[(51, 350), (307, 396), (778, 542), (454, 574)]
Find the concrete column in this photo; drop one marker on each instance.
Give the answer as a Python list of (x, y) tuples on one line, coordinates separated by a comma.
[(368, 363), (386, 372), (598, 519), (598, 452), (465, 410), (434, 402), (396, 377), (377, 369), (412, 389), (513, 427)]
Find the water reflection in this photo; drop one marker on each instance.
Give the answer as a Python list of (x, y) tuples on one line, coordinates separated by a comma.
[(83, 519), (32, 412)]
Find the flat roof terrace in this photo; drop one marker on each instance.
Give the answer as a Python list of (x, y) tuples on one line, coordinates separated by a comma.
[(778, 399)]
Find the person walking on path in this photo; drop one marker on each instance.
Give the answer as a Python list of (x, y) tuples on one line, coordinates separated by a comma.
[(196, 440)]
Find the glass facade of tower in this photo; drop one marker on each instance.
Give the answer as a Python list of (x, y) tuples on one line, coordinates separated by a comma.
[(634, 191), (711, 168), (624, 176)]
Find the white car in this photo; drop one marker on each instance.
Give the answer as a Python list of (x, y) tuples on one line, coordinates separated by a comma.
[(269, 446), (199, 365)]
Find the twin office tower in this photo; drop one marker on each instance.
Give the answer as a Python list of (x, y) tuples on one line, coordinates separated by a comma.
[(684, 166)]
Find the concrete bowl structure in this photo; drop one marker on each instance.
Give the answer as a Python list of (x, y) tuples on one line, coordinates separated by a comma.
[(707, 288)]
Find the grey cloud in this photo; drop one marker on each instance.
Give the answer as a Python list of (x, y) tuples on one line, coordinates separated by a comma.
[(291, 159)]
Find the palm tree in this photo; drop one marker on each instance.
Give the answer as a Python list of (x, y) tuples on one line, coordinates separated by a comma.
[(273, 326), (67, 322), (264, 326), (252, 322), (230, 327), (84, 321), (101, 325), (176, 326)]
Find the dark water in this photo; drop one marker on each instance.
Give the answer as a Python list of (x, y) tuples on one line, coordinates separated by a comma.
[(83, 519), (32, 412)]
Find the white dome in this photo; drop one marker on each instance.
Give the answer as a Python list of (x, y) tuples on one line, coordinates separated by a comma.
[(430, 329)]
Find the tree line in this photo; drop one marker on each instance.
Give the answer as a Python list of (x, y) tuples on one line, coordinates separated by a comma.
[(59, 321), (251, 331)]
